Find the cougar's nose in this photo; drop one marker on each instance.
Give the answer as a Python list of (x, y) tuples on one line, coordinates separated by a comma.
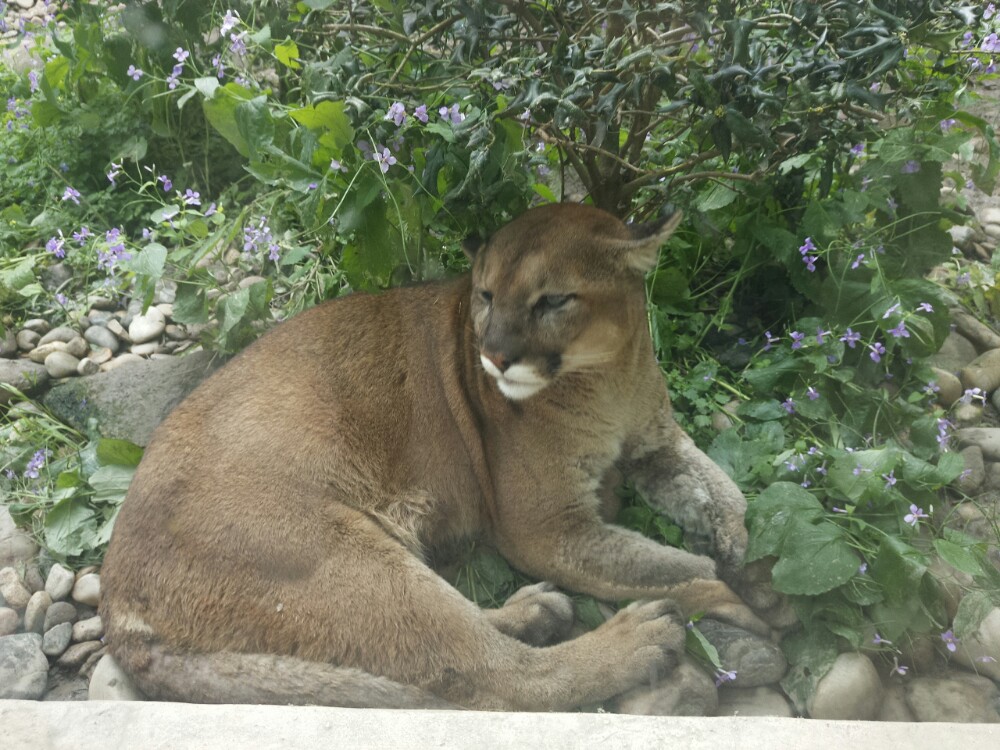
[(499, 360)]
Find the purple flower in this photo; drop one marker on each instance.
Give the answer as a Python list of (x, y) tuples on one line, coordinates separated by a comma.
[(181, 54), (769, 340), (452, 114), (525, 116), (835, 509), (858, 149), (807, 247), (985, 659), (914, 515), (877, 350), (237, 45), (788, 405), (950, 641), (810, 261), (211, 210), (797, 337), (81, 236), (229, 21), (863, 568), (858, 261), (191, 198), (70, 194), (61, 299), (384, 159), (421, 113), (167, 184), (973, 394), (879, 641), (33, 81), (900, 331), (910, 167), (900, 669), (991, 43), (851, 338), (722, 676), (55, 245), (365, 148), (396, 113), (220, 68), (890, 479), (812, 393), (821, 334), (948, 124), (108, 258), (858, 470), (37, 462), (925, 307), (891, 204), (989, 12), (134, 73), (890, 311)]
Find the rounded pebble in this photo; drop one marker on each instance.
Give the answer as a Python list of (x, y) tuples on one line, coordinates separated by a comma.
[(61, 333), (87, 589), (57, 639), (27, 340), (90, 629), (147, 327), (13, 591), (851, 690), (100, 336), (24, 670), (61, 364), (110, 683), (59, 613), (87, 366), (59, 582), (34, 613), (8, 621)]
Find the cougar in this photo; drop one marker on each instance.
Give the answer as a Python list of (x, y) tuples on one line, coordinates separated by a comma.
[(273, 545)]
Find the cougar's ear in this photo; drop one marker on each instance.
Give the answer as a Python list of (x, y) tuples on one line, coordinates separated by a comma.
[(471, 246), (641, 251)]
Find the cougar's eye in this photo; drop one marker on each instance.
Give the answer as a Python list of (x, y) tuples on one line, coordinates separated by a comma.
[(486, 297), (552, 302)]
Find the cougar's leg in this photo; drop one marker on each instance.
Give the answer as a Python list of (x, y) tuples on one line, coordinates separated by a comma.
[(368, 624)]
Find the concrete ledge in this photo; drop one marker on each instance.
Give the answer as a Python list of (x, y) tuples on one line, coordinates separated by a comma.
[(100, 725)]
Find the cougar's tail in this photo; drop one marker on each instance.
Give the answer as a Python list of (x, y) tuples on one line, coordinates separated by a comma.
[(229, 677)]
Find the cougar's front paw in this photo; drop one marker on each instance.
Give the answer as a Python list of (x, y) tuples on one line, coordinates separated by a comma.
[(538, 615), (650, 636)]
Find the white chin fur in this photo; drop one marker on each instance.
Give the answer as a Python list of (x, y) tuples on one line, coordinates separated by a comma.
[(518, 382)]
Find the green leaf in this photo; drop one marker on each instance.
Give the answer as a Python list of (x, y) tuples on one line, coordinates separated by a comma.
[(770, 515), (255, 124), (110, 483), (853, 474), (121, 452), (220, 111), (330, 117), (62, 526), (814, 558), (288, 54), (719, 195), (810, 656), (150, 261), (898, 568), (19, 276), (191, 304), (587, 611), (699, 646)]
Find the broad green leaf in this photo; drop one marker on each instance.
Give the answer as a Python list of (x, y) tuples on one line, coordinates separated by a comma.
[(150, 261), (814, 558), (958, 557), (288, 54), (898, 568), (191, 304), (810, 656), (62, 525), (972, 610), (587, 611), (855, 473), (220, 111), (719, 195), (699, 646), (110, 483), (770, 516), (121, 452)]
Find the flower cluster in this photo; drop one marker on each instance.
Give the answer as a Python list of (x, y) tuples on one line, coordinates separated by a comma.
[(258, 236)]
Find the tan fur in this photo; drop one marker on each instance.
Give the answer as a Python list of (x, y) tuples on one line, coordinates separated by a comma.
[(270, 548)]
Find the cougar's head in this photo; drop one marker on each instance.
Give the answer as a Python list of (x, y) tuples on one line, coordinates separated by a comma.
[(559, 290)]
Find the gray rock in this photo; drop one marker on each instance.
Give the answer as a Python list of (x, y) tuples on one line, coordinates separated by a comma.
[(118, 329), (967, 415), (175, 332), (14, 592), (27, 340), (758, 701), (981, 335), (972, 477), (949, 386), (57, 639), (990, 215), (24, 670), (39, 325), (87, 589), (121, 360), (101, 303), (992, 481), (34, 613), (130, 402), (956, 697), (40, 352), (101, 337), (58, 613), (147, 327), (144, 350), (78, 653), (78, 347), (99, 317), (756, 661), (55, 276), (8, 344), (894, 706), (954, 354), (987, 438), (61, 364), (110, 683), (980, 651), (27, 377), (59, 582), (90, 629), (983, 372), (687, 691), (87, 366), (33, 580), (962, 236), (850, 690), (100, 356), (9, 621), (62, 333), (16, 546)]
